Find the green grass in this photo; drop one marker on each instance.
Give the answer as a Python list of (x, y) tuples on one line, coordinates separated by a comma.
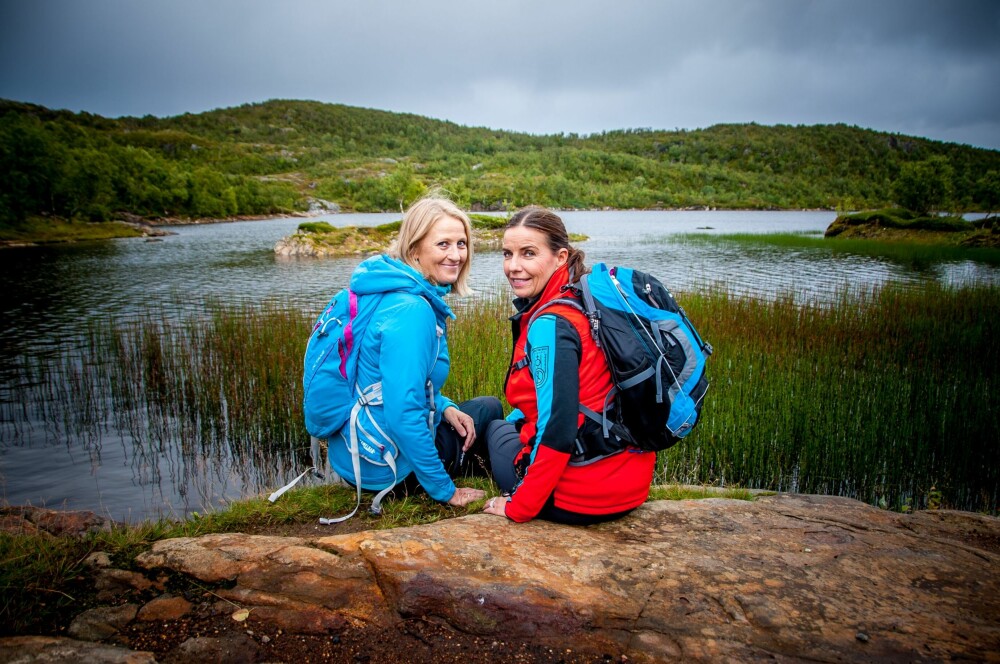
[(40, 230), (316, 227), (906, 253), (681, 492), (884, 395), (488, 221), (479, 345), (903, 220)]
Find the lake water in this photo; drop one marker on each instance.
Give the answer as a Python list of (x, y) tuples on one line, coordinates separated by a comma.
[(50, 293)]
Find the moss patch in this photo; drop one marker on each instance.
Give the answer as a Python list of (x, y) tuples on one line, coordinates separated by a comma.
[(321, 239), (47, 230)]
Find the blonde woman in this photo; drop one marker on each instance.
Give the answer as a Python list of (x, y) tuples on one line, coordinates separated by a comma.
[(428, 438)]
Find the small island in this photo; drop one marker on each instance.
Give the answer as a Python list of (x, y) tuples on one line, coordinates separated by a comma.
[(38, 230), (320, 239), (899, 225)]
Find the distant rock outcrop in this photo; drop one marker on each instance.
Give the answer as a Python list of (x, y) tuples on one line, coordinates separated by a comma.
[(349, 241), (361, 241), (897, 225)]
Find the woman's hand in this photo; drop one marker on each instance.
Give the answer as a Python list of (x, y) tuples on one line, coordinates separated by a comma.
[(497, 505), (463, 424), (464, 495)]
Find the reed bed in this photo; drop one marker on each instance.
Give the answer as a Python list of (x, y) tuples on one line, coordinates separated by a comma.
[(920, 255), (479, 342), (218, 392), (885, 395)]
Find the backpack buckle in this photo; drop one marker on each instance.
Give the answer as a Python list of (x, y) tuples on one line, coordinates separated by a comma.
[(594, 317)]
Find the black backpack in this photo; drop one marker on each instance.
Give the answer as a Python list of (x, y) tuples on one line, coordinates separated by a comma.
[(656, 357)]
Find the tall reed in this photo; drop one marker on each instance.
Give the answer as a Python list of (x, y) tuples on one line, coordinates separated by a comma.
[(479, 343), (221, 387), (885, 394)]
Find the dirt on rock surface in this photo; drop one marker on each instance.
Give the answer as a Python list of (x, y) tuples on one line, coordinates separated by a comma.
[(219, 638), (785, 577)]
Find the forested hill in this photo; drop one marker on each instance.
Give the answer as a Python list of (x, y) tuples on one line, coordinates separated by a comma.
[(276, 156)]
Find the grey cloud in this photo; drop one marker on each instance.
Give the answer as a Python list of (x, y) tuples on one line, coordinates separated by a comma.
[(912, 66)]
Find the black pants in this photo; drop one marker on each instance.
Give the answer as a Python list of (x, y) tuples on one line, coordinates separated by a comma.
[(504, 444), (476, 461)]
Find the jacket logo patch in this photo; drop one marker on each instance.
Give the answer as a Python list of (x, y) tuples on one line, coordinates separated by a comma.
[(539, 364)]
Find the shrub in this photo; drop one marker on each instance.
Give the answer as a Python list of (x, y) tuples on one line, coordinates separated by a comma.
[(316, 227)]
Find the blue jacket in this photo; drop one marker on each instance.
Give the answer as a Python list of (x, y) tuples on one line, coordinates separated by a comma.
[(405, 346)]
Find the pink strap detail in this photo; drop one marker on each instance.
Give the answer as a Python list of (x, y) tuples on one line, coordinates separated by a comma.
[(345, 348)]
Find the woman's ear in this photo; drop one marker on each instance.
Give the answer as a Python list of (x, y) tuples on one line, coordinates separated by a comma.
[(562, 256)]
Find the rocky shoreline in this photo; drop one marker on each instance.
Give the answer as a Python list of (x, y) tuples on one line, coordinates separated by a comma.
[(785, 577)]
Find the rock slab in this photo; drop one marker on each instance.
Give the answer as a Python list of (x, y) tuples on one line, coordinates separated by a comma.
[(52, 649), (786, 577)]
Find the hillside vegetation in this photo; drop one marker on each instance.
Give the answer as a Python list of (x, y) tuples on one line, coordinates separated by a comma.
[(278, 156)]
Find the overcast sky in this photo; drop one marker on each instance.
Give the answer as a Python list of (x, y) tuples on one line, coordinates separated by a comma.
[(921, 67)]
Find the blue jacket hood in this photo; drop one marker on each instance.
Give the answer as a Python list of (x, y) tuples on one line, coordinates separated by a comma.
[(383, 274)]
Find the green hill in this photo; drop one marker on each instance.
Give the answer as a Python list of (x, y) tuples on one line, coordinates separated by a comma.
[(277, 156)]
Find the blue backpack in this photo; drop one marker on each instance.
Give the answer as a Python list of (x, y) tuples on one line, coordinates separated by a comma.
[(331, 396), (331, 364), (656, 357)]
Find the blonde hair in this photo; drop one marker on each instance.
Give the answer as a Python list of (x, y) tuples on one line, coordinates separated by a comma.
[(418, 220)]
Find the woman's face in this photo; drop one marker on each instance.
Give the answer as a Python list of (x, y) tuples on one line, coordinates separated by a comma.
[(528, 262), (443, 251)]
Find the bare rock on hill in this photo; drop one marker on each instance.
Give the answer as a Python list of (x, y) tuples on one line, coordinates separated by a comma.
[(786, 577)]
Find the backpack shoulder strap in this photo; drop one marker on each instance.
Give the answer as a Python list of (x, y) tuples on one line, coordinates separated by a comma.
[(588, 308), (523, 362), (551, 303)]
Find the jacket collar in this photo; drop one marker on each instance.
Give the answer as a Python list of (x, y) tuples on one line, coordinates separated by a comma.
[(383, 274), (553, 288)]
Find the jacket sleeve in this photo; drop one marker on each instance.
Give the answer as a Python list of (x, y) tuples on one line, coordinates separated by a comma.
[(407, 355), (554, 351), (440, 403), (514, 415)]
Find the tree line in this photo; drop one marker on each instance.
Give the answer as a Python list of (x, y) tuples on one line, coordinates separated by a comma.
[(273, 157)]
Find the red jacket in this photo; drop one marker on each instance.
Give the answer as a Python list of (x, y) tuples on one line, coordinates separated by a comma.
[(554, 368)]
